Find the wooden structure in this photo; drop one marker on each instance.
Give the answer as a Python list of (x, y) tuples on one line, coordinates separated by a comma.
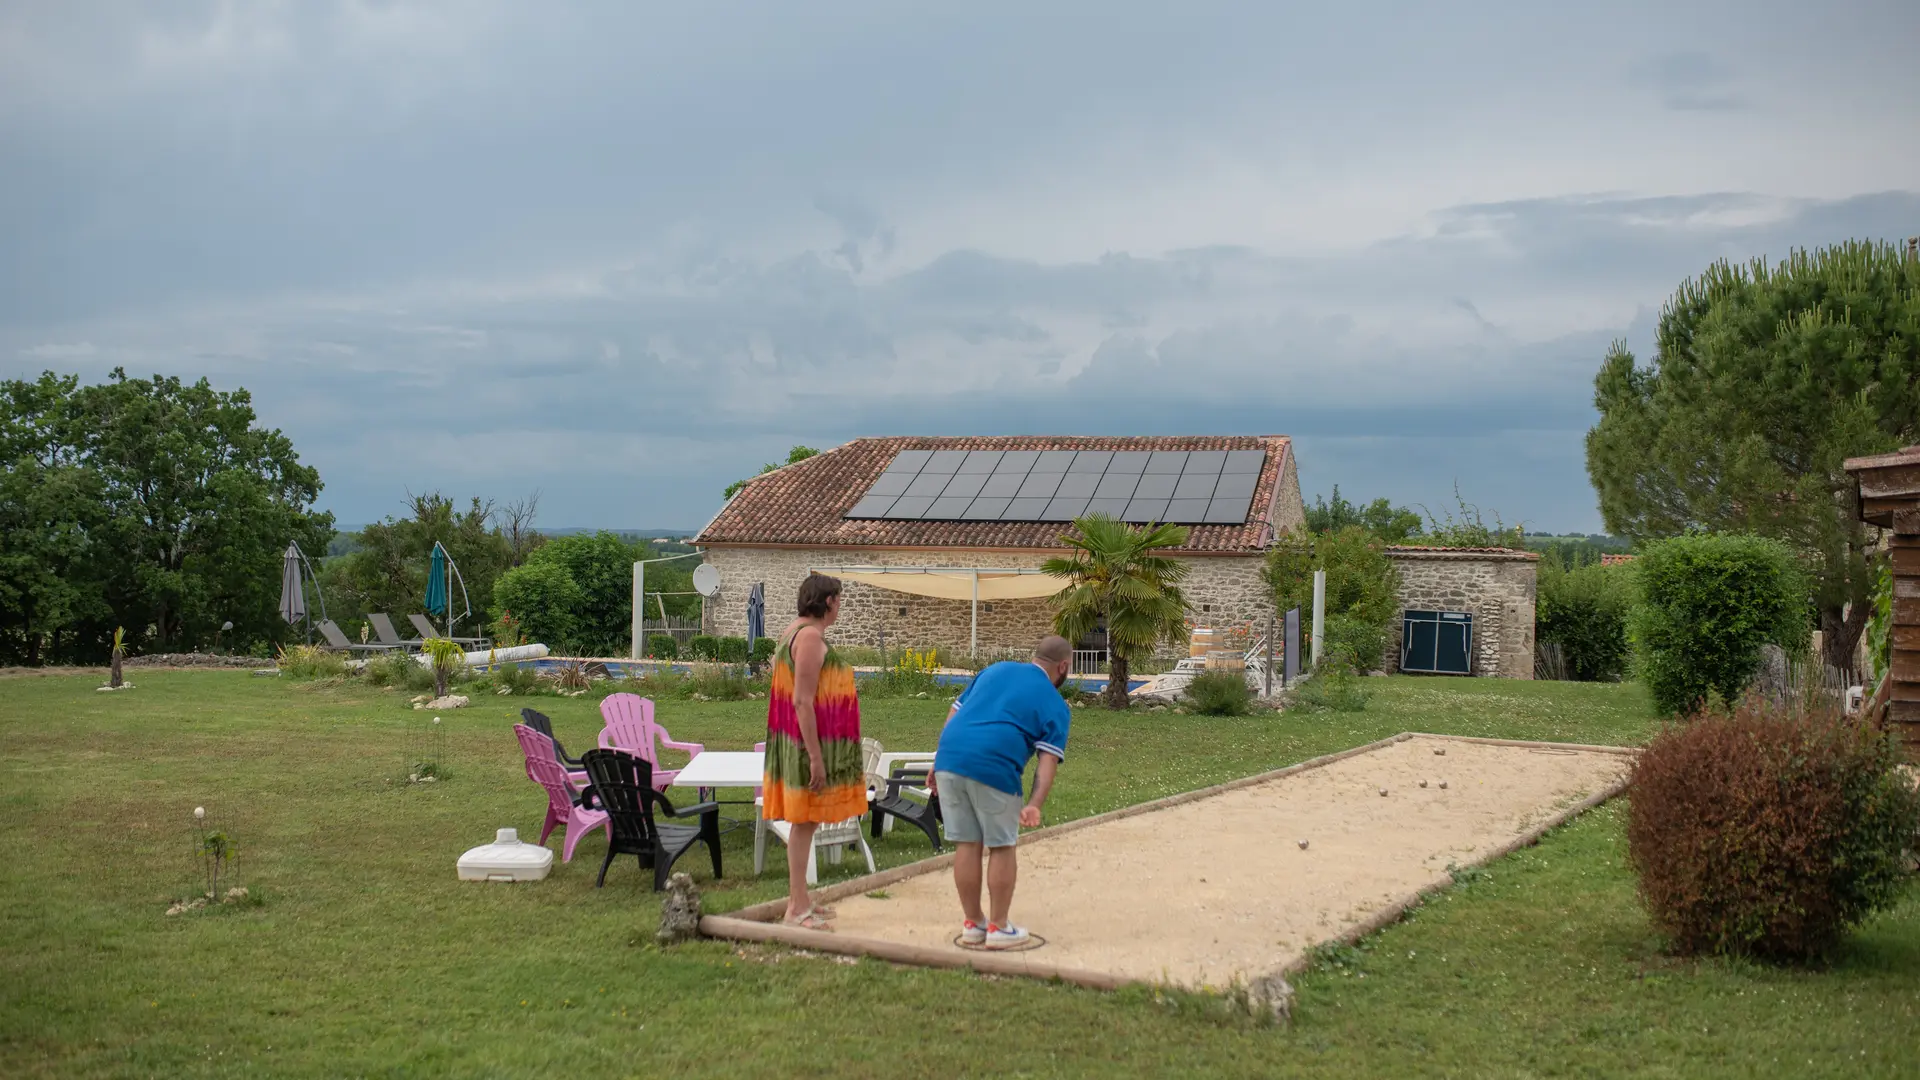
[(1890, 498)]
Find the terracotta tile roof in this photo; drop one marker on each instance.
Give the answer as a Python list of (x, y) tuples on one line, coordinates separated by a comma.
[(804, 504), (1615, 560)]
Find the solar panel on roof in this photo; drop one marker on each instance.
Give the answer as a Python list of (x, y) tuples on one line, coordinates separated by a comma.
[(1040, 485), (1156, 486), (908, 507), (928, 484), (1196, 485), (1077, 486), (909, 461), (985, 509), (1065, 508), (1178, 486), (1237, 485), (1025, 510), (1187, 510), (945, 461), (872, 506)]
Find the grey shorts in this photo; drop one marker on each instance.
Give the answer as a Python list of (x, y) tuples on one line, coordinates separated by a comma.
[(977, 814)]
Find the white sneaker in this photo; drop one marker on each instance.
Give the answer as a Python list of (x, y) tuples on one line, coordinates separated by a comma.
[(972, 933), (1006, 937)]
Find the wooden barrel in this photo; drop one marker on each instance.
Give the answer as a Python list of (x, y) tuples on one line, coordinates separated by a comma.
[(1203, 642)]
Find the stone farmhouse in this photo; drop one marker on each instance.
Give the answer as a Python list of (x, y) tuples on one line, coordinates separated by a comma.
[(940, 540)]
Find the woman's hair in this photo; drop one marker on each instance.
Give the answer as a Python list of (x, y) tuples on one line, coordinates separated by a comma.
[(815, 593)]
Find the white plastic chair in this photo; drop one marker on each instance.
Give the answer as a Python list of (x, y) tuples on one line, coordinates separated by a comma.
[(834, 838)]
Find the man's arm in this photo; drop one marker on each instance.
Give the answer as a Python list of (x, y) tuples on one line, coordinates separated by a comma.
[(1042, 783)]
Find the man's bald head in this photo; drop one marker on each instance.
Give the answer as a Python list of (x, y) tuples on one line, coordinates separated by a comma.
[(1053, 649)]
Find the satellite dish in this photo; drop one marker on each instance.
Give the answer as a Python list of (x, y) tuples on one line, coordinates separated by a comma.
[(706, 579)]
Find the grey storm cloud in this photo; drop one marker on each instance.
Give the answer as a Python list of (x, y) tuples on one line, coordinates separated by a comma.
[(624, 253)]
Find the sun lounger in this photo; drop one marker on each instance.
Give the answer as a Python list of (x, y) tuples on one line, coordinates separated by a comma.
[(336, 639), (383, 629), (428, 630)]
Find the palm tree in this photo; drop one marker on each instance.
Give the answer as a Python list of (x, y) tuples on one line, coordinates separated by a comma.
[(1119, 576)]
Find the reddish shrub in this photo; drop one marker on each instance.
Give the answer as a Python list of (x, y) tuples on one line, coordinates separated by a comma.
[(1768, 831)]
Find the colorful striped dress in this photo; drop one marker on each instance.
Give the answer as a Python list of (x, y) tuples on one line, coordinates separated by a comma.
[(836, 712)]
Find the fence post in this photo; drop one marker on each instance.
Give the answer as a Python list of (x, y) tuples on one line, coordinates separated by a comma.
[(1267, 660)]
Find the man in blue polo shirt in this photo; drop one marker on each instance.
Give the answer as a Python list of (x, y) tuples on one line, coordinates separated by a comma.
[(1009, 711)]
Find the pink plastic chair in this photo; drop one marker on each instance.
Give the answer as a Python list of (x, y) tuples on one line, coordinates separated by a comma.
[(561, 807), (630, 726)]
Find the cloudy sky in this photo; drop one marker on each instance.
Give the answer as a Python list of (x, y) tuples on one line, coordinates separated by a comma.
[(623, 253)]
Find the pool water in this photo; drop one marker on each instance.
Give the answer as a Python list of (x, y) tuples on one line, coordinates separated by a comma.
[(633, 669)]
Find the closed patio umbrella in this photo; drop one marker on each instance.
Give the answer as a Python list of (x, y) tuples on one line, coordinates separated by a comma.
[(442, 572), (756, 614), (293, 598), (437, 581)]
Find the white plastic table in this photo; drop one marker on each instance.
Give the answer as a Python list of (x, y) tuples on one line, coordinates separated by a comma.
[(723, 768)]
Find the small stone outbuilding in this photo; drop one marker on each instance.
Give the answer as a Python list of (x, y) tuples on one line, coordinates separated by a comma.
[(1499, 586)]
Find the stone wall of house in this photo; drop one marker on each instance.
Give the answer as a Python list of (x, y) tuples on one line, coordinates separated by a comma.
[(1497, 587), (1221, 590)]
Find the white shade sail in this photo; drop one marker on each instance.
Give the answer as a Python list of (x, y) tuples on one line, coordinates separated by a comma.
[(953, 583)]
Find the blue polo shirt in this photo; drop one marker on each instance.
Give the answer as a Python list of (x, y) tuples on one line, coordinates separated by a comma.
[(1009, 711)]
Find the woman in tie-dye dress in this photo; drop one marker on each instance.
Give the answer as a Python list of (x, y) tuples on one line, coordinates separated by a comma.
[(814, 772)]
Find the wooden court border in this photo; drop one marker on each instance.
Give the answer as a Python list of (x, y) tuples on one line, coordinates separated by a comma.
[(761, 922)]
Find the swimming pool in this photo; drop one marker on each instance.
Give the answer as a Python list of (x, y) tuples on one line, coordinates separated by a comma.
[(633, 669)]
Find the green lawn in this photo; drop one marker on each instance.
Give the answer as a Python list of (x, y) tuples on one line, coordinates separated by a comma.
[(367, 957)]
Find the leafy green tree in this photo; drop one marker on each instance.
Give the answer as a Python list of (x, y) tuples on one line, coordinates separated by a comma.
[(1765, 380), (1392, 524), (1120, 580), (388, 571), (51, 587), (601, 566), (1708, 603), (1362, 594), (545, 600), (199, 504), (797, 454)]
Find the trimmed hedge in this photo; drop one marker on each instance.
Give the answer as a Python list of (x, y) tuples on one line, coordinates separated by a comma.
[(1584, 610), (1709, 601), (703, 647), (663, 647), (731, 650), (1769, 832)]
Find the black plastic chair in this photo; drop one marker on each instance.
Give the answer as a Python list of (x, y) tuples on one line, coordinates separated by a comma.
[(622, 785), (924, 816), (538, 721)]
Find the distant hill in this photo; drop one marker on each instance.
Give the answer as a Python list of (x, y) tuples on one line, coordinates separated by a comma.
[(667, 540)]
